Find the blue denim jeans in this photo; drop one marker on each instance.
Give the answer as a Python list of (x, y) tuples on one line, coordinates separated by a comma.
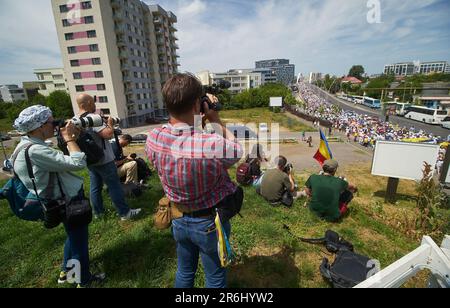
[(107, 174), (77, 248), (197, 237)]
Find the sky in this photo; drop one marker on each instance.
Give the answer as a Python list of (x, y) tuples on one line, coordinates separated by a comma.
[(327, 36)]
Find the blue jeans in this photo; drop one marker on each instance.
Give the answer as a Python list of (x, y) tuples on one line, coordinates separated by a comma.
[(77, 248), (194, 237), (107, 174)]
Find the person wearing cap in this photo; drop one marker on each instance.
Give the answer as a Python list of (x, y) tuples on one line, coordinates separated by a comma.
[(329, 195), (38, 125)]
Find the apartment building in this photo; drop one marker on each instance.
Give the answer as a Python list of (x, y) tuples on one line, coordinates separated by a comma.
[(240, 79), (121, 51), (417, 67), (12, 93), (50, 80)]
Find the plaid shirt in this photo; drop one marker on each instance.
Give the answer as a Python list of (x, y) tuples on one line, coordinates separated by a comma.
[(192, 166)]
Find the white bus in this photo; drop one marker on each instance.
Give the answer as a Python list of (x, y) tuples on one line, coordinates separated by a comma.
[(396, 108), (446, 123), (358, 99), (425, 115)]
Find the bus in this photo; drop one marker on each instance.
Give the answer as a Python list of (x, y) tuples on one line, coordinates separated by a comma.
[(372, 102), (446, 123), (425, 115), (396, 108), (357, 99)]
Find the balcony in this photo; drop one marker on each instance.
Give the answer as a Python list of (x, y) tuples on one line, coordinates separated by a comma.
[(173, 37), (175, 45), (172, 17), (158, 20), (120, 29), (127, 79), (116, 4), (121, 42), (172, 28), (123, 55), (118, 17)]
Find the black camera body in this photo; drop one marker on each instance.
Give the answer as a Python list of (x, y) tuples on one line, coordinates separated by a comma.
[(214, 89), (288, 169)]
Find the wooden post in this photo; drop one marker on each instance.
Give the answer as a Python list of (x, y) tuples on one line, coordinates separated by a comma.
[(391, 190)]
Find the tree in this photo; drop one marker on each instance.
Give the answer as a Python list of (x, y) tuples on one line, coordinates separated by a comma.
[(357, 71), (60, 103)]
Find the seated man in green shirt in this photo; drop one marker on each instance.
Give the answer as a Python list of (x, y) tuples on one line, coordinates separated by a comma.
[(277, 182), (330, 195)]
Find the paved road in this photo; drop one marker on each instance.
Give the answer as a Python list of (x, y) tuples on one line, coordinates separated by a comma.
[(436, 130)]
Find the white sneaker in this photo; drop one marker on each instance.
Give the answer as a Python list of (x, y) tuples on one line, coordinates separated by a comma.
[(131, 214)]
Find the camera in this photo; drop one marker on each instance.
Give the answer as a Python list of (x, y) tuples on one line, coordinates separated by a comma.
[(215, 89), (87, 121), (288, 169)]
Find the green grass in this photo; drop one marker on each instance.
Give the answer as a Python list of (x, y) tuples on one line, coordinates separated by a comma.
[(264, 115), (134, 254), (5, 126)]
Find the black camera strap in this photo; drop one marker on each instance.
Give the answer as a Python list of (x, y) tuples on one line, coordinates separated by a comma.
[(31, 173), (119, 147)]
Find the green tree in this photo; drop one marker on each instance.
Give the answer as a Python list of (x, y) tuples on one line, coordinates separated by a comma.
[(357, 71), (60, 103)]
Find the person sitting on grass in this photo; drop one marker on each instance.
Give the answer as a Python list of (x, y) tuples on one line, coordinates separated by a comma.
[(278, 185), (329, 195)]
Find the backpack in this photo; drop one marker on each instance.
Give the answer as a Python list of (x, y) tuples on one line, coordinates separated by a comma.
[(89, 144), (24, 204), (131, 190), (144, 171), (349, 268), (243, 174)]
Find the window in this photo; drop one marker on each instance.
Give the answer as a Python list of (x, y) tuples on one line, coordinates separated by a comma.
[(72, 49), (74, 63), (63, 8), (138, 98), (69, 36), (129, 26), (137, 86), (133, 62), (140, 107), (130, 39), (98, 74), (103, 99), (96, 61), (105, 111), (101, 87), (92, 34), (89, 19), (79, 88), (135, 75), (93, 47), (76, 75), (66, 23), (86, 5)]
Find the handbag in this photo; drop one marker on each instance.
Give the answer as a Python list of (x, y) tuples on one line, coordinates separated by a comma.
[(165, 213)]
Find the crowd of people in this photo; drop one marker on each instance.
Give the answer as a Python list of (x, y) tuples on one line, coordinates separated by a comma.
[(363, 129)]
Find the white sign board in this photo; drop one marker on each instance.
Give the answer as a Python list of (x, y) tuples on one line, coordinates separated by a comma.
[(403, 160), (276, 102)]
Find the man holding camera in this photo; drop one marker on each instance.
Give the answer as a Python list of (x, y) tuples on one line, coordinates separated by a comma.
[(278, 184), (104, 171), (194, 173)]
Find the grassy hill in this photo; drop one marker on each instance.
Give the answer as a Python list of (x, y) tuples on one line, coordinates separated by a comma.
[(134, 254)]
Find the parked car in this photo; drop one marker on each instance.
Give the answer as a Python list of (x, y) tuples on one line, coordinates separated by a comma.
[(162, 119), (263, 128), (141, 138)]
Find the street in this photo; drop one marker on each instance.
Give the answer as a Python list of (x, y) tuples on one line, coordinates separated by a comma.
[(402, 122)]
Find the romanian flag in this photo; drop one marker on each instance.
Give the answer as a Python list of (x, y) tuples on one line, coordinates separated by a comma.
[(324, 152)]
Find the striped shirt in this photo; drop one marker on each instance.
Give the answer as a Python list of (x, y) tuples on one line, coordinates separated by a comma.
[(193, 165)]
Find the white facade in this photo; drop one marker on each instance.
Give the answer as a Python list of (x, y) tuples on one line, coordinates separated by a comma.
[(12, 93), (240, 80), (313, 77), (416, 67), (120, 51), (50, 80)]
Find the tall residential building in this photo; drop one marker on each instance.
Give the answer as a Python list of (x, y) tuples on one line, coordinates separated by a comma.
[(412, 68), (121, 51), (12, 93), (313, 77), (50, 80), (240, 79), (280, 69)]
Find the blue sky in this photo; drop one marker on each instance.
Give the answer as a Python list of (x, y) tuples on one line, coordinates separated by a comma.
[(326, 36)]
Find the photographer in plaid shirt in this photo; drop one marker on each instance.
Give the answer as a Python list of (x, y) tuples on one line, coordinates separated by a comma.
[(193, 168)]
